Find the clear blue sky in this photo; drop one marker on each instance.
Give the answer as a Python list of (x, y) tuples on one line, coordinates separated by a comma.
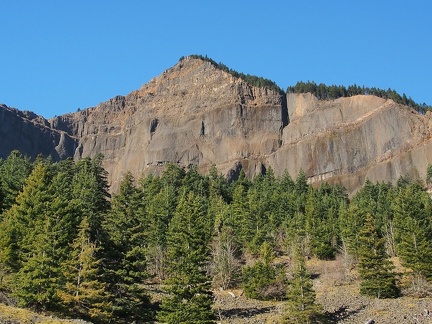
[(57, 56)]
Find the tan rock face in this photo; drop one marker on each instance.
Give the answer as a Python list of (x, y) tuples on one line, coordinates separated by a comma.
[(197, 114), (32, 135), (192, 114), (350, 139)]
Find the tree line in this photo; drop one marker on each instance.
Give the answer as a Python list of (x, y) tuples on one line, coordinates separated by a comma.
[(322, 91), (68, 247), (251, 79)]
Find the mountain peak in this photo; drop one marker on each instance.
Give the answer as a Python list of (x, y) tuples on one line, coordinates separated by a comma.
[(201, 113)]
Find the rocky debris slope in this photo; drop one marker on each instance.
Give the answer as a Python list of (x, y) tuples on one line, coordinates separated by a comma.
[(337, 291)]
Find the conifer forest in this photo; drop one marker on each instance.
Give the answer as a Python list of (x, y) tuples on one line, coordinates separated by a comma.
[(69, 247)]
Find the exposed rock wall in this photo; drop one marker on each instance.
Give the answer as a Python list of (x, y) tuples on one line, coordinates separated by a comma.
[(194, 113), (32, 135), (349, 140)]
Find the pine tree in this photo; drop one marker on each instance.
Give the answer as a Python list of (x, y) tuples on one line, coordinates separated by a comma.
[(218, 185), (42, 219), (376, 271), (84, 294), (38, 279), (413, 230), (90, 189), (188, 284), (262, 280), (300, 306), (9, 251), (14, 170), (351, 220), (126, 259), (241, 218), (159, 212)]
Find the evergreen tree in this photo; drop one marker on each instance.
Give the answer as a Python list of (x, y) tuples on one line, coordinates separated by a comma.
[(376, 271), (159, 212), (43, 220), (90, 189), (63, 208), (9, 252), (188, 284), (84, 293), (300, 306), (218, 185), (127, 268), (39, 278), (29, 214), (195, 182), (263, 280), (301, 189), (241, 219), (351, 221), (14, 170), (413, 226)]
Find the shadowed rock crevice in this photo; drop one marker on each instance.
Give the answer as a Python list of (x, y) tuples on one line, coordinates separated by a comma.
[(153, 125)]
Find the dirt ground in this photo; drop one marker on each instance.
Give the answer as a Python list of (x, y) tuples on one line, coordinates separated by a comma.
[(337, 292)]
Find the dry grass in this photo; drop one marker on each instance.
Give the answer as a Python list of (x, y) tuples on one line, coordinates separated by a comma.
[(9, 314)]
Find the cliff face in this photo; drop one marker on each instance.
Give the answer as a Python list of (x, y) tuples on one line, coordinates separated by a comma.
[(196, 114), (32, 135), (193, 113), (349, 140)]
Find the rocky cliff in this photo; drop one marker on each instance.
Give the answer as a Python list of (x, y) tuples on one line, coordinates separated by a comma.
[(193, 113), (349, 140), (197, 114), (32, 135)]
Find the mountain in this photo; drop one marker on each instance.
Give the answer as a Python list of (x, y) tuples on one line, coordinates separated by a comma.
[(32, 135), (196, 113)]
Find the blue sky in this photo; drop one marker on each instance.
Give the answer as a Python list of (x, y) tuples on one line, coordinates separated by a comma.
[(57, 56)]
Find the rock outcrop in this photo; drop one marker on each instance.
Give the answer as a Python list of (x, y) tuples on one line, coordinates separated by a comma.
[(32, 135), (349, 140), (197, 114), (193, 114)]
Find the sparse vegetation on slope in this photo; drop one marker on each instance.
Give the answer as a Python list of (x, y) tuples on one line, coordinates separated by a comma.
[(322, 91), (251, 79)]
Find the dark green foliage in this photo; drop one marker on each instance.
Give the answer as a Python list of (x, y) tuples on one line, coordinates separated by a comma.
[(38, 273), (13, 172), (90, 189), (263, 280), (321, 214), (37, 232), (188, 284), (323, 91), (251, 79), (300, 306), (258, 279), (66, 247), (218, 185), (413, 226), (376, 271), (126, 259), (429, 174)]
